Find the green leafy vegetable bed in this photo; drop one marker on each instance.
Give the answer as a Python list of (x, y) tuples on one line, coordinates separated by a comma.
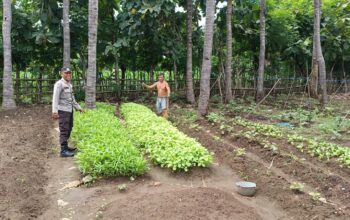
[(166, 145), (316, 148), (104, 146), (321, 149)]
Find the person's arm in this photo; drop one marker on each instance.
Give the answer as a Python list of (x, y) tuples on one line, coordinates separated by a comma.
[(151, 86), (76, 105), (55, 99)]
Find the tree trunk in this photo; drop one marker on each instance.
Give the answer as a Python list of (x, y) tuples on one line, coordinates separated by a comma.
[(175, 76), (238, 75), (189, 81), (116, 63), (116, 71), (8, 101), (320, 58), (40, 84), (332, 69), (260, 83), (170, 75), (344, 75), (151, 74), (221, 72), (228, 68), (123, 68), (313, 84), (333, 87), (206, 62), (90, 92), (66, 34)]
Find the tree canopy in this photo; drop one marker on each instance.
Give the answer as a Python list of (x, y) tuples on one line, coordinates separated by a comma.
[(151, 35)]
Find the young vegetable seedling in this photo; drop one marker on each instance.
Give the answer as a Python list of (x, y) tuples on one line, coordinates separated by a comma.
[(122, 187), (297, 187)]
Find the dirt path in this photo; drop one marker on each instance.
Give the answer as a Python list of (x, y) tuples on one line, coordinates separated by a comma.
[(200, 194)]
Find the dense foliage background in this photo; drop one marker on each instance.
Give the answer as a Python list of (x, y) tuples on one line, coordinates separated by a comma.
[(139, 37)]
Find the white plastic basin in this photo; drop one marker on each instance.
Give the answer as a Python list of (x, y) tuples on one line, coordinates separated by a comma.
[(246, 188)]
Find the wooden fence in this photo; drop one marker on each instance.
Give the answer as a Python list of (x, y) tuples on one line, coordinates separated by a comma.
[(40, 90)]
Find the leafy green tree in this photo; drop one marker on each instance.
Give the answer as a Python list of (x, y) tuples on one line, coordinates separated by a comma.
[(23, 45), (111, 47)]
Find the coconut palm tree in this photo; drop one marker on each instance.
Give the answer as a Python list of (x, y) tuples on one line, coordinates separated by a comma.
[(8, 101), (320, 58), (228, 68), (66, 34), (260, 83), (189, 81), (206, 61), (90, 90), (313, 83)]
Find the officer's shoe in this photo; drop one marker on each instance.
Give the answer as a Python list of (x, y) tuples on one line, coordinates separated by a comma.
[(67, 153), (71, 149)]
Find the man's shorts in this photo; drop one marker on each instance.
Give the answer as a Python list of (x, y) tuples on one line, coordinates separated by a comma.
[(161, 104)]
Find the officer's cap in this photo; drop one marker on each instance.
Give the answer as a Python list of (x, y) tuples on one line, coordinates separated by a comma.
[(65, 69)]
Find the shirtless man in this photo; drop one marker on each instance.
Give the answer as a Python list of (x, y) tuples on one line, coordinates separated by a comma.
[(163, 88)]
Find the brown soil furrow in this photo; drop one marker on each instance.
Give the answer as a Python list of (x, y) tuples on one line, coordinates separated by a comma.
[(336, 183), (24, 147), (256, 167)]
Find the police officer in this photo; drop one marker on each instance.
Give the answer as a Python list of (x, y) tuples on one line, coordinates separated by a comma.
[(63, 102)]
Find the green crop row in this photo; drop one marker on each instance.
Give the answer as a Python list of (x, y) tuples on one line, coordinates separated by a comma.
[(321, 149), (316, 148), (263, 129), (104, 146), (165, 144)]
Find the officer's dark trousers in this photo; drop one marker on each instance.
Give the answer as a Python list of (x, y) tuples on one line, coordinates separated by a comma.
[(65, 125)]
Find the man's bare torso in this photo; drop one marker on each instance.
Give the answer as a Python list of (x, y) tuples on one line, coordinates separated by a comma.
[(162, 89)]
